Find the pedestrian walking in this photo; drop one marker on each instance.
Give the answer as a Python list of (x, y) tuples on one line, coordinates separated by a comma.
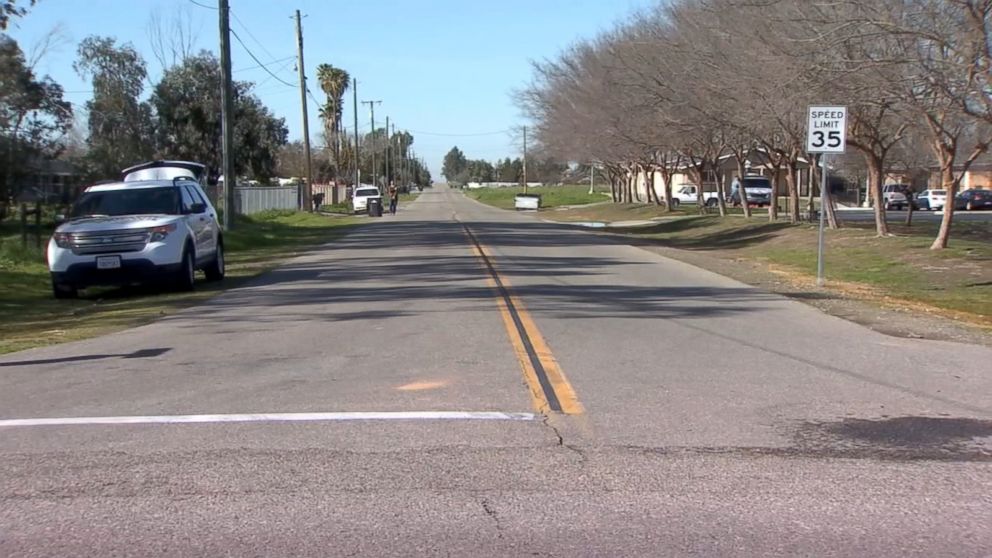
[(394, 198)]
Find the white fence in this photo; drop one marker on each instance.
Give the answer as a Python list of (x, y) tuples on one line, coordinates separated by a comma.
[(475, 185), (256, 199)]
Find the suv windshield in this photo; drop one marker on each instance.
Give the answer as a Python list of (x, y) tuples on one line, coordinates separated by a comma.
[(132, 201), (757, 183), (938, 192), (366, 193)]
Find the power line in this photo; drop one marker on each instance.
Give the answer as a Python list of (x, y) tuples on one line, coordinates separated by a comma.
[(250, 34), (460, 135), (259, 62), (272, 62), (313, 98), (281, 68), (203, 5)]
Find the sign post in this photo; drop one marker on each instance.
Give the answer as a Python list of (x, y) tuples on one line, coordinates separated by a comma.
[(826, 134)]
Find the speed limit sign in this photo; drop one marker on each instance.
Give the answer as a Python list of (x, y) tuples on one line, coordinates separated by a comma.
[(827, 131)]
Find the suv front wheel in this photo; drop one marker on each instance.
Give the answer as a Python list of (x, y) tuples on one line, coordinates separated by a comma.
[(185, 277), (215, 270)]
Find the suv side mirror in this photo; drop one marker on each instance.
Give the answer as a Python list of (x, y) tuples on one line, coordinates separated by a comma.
[(198, 208), (59, 219)]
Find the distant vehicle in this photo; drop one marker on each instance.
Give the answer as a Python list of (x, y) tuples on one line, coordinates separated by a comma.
[(689, 194), (972, 199), (895, 196), (759, 191), (932, 200), (137, 231), (361, 197)]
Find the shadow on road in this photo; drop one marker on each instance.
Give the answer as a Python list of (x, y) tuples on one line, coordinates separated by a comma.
[(143, 353), (426, 261)]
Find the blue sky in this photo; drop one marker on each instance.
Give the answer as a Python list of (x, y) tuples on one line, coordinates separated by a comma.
[(444, 69)]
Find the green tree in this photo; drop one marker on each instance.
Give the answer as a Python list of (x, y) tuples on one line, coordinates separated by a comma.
[(120, 126), (187, 101), (9, 9), (478, 170), (334, 82), (509, 171), (454, 164), (34, 118)]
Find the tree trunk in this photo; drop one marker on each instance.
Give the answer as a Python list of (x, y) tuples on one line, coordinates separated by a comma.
[(651, 188), (791, 183), (909, 208), (700, 205), (721, 194), (831, 208), (742, 191), (666, 189), (635, 188), (951, 185), (773, 208), (628, 188), (875, 178)]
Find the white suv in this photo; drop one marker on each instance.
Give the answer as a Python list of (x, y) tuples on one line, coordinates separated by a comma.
[(360, 200), (894, 196), (137, 231)]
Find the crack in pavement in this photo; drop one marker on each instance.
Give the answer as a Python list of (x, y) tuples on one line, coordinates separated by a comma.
[(491, 512), (546, 421)]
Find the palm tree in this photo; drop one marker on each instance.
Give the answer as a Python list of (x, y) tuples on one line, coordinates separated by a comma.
[(334, 82)]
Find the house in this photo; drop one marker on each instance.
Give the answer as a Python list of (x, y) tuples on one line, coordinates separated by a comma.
[(757, 163), (52, 180), (978, 175)]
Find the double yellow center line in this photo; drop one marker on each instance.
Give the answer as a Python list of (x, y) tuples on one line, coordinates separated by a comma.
[(548, 385)]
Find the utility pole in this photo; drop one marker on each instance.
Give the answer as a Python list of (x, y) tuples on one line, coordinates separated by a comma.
[(388, 153), (525, 159), (375, 173), (226, 112), (354, 91), (307, 188), (393, 155)]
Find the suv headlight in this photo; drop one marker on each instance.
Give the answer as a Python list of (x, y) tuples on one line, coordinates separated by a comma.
[(62, 240), (158, 234)]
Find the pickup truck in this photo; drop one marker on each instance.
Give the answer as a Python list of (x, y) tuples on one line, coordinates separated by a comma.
[(689, 194)]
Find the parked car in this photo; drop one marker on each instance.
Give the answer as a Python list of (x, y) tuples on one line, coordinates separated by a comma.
[(896, 196), (932, 200), (360, 199), (689, 194), (973, 199), (758, 189), (137, 231)]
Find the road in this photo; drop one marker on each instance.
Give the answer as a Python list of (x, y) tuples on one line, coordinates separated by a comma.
[(462, 381)]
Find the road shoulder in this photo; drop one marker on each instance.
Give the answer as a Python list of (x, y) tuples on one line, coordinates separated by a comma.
[(888, 316)]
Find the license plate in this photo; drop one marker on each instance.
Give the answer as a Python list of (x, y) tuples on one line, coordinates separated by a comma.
[(108, 262)]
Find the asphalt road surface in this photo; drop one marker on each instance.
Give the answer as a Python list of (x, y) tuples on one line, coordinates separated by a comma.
[(462, 381)]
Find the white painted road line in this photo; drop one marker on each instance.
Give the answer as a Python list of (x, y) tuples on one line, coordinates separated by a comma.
[(271, 417)]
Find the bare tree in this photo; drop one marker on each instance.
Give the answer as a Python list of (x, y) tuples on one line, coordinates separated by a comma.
[(172, 38)]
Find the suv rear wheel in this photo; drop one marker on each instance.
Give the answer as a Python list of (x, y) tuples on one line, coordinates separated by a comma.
[(63, 291)]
